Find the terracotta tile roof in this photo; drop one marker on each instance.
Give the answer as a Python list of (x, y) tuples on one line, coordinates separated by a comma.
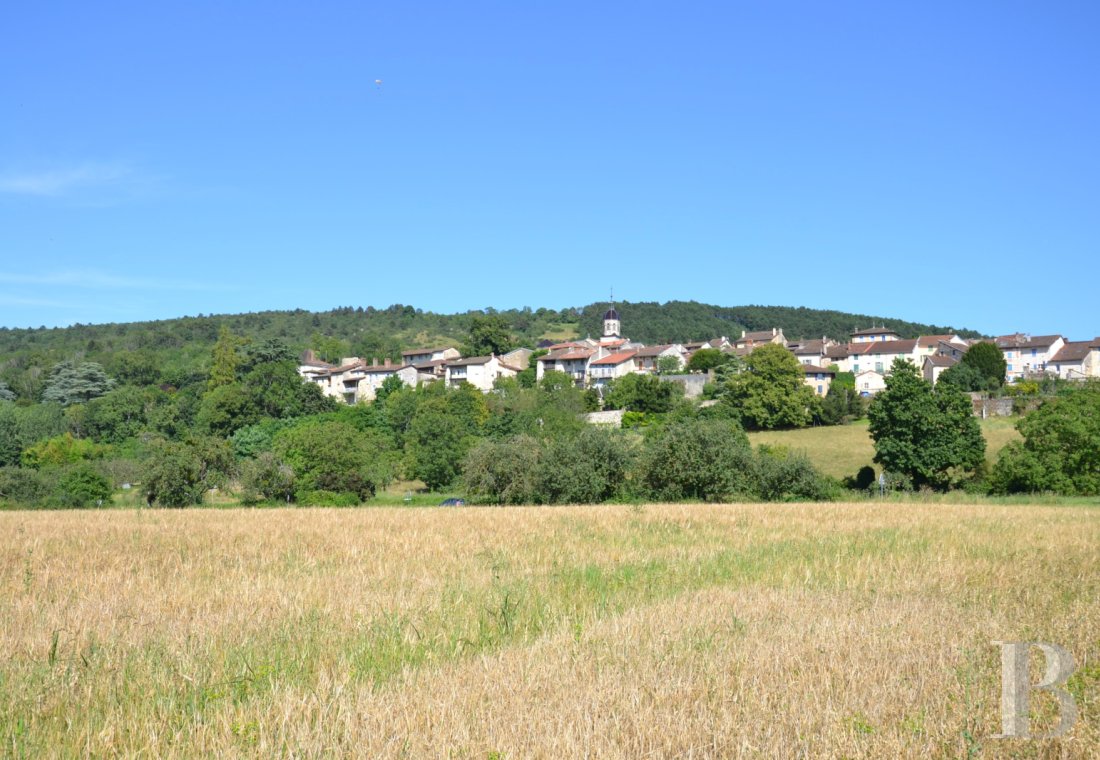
[(1022, 340), (374, 369), (1074, 352), (941, 361), (813, 369), (815, 346), (614, 359), (553, 355), (651, 351), (582, 353), (931, 341), (469, 360), (418, 351), (882, 347), (567, 344), (765, 335)]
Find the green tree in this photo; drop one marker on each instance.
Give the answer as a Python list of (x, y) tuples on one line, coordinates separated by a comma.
[(122, 413), (23, 426), (266, 478), (332, 350), (332, 457), (74, 383), (136, 367), (83, 486), (436, 444), (668, 365), (178, 474), (771, 393), (390, 385), (698, 459), (706, 359), (503, 471), (225, 409), (588, 468), (927, 434), (842, 403), (61, 450), (642, 393), (989, 361), (226, 358), (489, 334), (1060, 451)]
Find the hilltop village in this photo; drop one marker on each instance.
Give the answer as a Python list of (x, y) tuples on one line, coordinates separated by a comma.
[(595, 362)]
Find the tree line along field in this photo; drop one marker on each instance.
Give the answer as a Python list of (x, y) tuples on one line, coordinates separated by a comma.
[(835, 630)]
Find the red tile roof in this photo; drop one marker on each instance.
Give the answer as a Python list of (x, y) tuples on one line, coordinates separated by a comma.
[(614, 359), (1074, 352)]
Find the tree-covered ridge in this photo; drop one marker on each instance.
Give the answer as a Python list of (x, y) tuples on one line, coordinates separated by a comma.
[(177, 348), (681, 321)]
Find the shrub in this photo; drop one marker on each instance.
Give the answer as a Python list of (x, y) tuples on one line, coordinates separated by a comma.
[(504, 471), (588, 468), (701, 459), (782, 475), (83, 486), (62, 450), (1060, 452), (863, 480), (266, 478), (23, 487), (335, 457), (180, 474)]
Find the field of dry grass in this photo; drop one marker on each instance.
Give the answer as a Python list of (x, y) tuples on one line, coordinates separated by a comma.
[(840, 450), (839, 630)]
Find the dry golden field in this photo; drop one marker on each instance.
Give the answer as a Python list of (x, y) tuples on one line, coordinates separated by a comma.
[(840, 630)]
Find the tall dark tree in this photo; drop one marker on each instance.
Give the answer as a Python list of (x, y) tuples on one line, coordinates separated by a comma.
[(74, 383), (987, 359), (489, 334), (927, 434)]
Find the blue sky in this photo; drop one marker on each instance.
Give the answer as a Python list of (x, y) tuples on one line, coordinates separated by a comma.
[(934, 161)]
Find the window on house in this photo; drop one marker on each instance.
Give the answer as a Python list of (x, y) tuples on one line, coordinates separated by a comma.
[(1009, 367)]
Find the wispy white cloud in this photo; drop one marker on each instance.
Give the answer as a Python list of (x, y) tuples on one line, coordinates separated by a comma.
[(6, 300), (93, 280), (56, 182)]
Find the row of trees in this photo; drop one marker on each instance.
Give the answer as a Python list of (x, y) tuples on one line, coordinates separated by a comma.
[(249, 420)]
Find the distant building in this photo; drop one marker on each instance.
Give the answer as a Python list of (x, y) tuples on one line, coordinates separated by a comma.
[(934, 366), (646, 359), (818, 378), (479, 371), (751, 340), (1077, 360), (1028, 355), (873, 334), (424, 355), (869, 382), (604, 370)]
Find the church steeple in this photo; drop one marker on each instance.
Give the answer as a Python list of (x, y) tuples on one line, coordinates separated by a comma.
[(612, 328)]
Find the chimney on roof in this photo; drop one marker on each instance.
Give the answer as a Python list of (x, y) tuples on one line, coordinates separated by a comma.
[(388, 363), (742, 333), (774, 331)]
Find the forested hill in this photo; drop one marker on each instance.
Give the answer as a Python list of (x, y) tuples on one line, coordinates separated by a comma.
[(183, 345)]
